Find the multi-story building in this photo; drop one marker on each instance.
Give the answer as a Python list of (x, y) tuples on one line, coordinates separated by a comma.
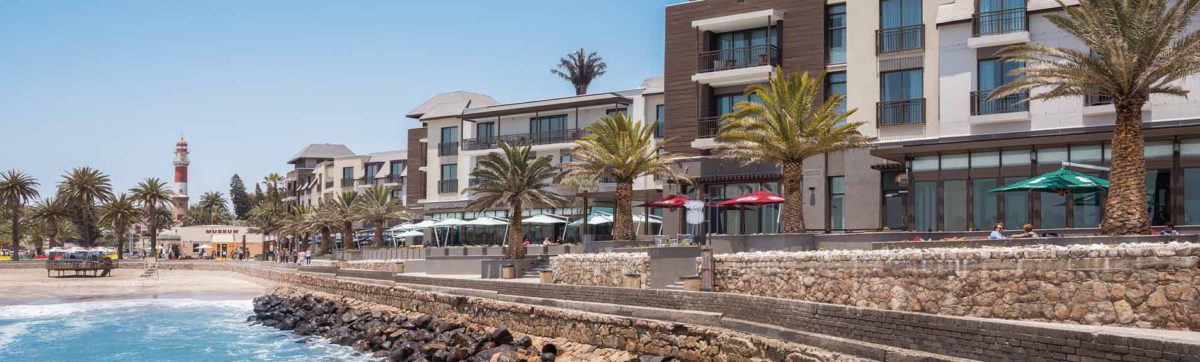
[(356, 173), (459, 128), (881, 55), (979, 144), (299, 185)]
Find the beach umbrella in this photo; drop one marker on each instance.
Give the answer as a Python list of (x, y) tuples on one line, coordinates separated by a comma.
[(668, 202), (1061, 181), (448, 223), (410, 233), (759, 197), (543, 219), (401, 227), (486, 221), (422, 225), (595, 218)]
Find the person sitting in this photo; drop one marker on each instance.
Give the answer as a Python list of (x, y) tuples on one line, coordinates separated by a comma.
[(1028, 234), (997, 232), (1169, 229)]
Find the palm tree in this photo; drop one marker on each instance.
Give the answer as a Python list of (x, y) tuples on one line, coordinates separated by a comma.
[(378, 207), (50, 211), (617, 147), (85, 186), (324, 220), (16, 189), (1137, 48), (342, 210), (152, 195), (267, 217), (215, 208), (272, 180), (119, 213), (580, 69), (785, 129), (510, 178)]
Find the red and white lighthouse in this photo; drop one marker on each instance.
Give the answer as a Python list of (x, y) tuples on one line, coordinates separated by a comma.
[(181, 165)]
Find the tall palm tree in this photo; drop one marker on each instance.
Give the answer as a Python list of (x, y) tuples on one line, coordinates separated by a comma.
[(324, 220), (1137, 48), (152, 195), (215, 207), (273, 180), (342, 209), (580, 68), (267, 217), (378, 207), (85, 186), (119, 214), (296, 224), (50, 211), (789, 126), (16, 189), (617, 147), (510, 178)]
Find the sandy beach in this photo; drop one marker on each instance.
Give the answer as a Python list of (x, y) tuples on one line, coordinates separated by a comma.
[(30, 286)]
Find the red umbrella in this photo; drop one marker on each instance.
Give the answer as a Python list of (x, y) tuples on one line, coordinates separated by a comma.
[(668, 202), (754, 198)]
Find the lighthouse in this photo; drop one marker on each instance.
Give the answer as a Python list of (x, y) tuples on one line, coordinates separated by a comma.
[(181, 166)]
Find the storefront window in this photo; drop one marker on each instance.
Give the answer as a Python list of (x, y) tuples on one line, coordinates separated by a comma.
[(1016, 206), (926, 205), (981, 160), (983, 203), (746, 220), (893, 199), (1089, 154), (837, 202), (1189, 147), (955, 198), (1191, 196), (1087, 209), (1054, 210), (1048, 156), (1014, 158), (925, 163), (1159, 149), (1158, 196), (954, 162)]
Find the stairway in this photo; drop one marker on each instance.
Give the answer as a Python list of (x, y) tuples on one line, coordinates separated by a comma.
[(536, 268)]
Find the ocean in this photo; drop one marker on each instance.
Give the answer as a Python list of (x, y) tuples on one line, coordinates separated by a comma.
[(153, 330)]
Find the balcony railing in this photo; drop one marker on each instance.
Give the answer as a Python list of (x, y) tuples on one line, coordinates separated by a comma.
[(980, 105), (448, 186), (707, 127), (1097, 100), (537, 138), (899, 39), (447, 148), (737, 58), (347, 182), (900, 112), (474, 181), (999, 22)]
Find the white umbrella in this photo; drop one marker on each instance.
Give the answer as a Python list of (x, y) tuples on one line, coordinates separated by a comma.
[(486, 221), (450, 222), (422, 225), (596, 218), (401, 227), (543, 219), (410, 233), (641, 219)]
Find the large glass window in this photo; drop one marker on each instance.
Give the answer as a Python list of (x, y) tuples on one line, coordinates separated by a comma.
[(981, 160), (449, 172), (983, 203), (744, 48), (548, 129), (1016, 205), (993, 73), (485, 130), (902, 97), (659, 127), (925, 163), (449, 134), (837, 202), (1158, 196), (723, 103), (1191, 196), (999, 17), (1011, 158), (954, 195), (835, 83), (893, 199), (347, 176), (1086, 213), (926, 205), (835, 34), (397, 169), (899, 26), (1054, 210), (747, 220), (372, 170), (955, 162)]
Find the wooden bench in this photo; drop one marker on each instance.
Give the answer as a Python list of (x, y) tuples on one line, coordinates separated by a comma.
[(101, 268)]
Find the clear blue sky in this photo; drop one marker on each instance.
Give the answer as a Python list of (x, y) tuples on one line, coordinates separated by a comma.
[(113, 84)]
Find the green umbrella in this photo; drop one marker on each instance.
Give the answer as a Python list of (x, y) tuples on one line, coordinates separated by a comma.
[(1061, 181)]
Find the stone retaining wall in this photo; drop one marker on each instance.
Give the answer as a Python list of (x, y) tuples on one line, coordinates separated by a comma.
[(395, 266), (687, 342), (603, 269), (1137, 285)]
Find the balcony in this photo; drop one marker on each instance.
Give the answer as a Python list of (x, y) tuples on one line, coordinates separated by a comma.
[(1012, 103), (995, 28), (892, 40), (707, 127), (1097, 100), (900, 112), (448, 186), (537, 138), (737, 58), (447, 148), (347, 182)]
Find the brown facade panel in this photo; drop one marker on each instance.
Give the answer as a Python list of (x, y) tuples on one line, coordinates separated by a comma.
[(801, 43), (416, 158)]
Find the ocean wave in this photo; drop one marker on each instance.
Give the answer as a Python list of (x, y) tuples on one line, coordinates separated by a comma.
[(45, 311)]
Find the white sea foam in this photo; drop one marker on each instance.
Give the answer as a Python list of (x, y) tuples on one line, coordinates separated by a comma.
[(45, 311)]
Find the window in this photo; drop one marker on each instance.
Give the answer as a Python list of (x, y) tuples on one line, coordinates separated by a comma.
[(548, 129), (984, 204), (1158, 196), (1054, 210), (902, 95), (981, 160), (955, 162), (565, 158), (899, 26), (372, 170), (1051, 156), (617, 110), (1086, 213), (659, 127), (999, 17), (926, 205), (485, 131), (837, 202), (397, 170), (742, 48), (1191, 196), (724, 103), (893, 199), (835, 83), (449, 134), (954, 197), (347, 176), (449, 143), (925, 163), (991, 74), (835, 34), (1016, 205), (449, 179)]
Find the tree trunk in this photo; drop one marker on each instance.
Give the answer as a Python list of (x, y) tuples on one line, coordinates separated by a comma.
[(347, 235), (15, 210), (792, 221), (379, 234), (153, 233), (623, 212), (1125, 209), (516, 247), (326, 242), (52, 232), (87, 230), (120, 234)]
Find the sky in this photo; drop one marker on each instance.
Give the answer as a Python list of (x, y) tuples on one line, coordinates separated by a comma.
[(114, 84)]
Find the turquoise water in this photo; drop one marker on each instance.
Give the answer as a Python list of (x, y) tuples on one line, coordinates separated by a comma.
[(152, 330)]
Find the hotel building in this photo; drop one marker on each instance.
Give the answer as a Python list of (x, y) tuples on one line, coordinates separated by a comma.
[(459, 128), (298, 187), (980, 144), (323, 171)]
